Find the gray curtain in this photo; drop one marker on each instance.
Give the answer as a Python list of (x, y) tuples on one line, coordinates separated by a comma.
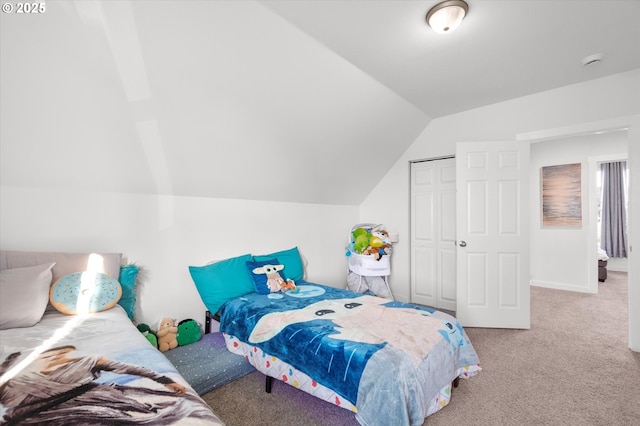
[(613, 237)]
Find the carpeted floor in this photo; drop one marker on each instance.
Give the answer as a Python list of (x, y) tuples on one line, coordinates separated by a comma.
[(573, 367)]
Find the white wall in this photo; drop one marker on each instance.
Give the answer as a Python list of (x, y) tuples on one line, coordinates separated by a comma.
[(614, 97), (560, 255), (164, 235)]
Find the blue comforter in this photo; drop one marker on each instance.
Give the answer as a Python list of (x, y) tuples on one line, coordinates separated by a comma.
[(371, 351)]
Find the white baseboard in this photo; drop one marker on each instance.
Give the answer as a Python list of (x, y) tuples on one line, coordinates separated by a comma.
[(618, 264), (560, 286)]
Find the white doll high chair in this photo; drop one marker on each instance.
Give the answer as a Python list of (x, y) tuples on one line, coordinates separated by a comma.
[(368, 272)]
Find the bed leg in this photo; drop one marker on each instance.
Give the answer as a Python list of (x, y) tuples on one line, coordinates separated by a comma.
[(456, 382), (268, 383), (208, 318)]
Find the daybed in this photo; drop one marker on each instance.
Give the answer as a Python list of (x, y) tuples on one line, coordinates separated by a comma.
[(389, 362), (86, 366)]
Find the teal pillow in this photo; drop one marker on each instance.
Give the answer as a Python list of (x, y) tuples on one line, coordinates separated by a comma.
[(128, 280), (290, 259), (222, 281)]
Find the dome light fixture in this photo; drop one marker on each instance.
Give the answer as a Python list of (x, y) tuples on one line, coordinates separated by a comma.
[(446, 16)]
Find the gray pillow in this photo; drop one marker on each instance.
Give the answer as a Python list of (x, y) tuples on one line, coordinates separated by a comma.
[(24, 294)]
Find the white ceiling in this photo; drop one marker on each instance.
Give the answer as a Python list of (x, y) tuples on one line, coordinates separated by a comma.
[(301, 101), (502, 50)]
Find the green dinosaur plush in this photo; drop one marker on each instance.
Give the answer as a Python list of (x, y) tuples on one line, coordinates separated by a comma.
[(188, 332), (361, 241), (149, 334)]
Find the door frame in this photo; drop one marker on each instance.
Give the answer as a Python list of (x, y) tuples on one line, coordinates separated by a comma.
[(632, 125), (593, 213)]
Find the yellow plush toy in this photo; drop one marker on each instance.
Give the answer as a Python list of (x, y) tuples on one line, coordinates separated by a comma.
[(167, 334)]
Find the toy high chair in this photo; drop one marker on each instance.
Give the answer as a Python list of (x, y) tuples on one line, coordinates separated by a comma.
[(369, 264)]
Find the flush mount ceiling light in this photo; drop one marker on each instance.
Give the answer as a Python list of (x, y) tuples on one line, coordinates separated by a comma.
[(446, 16)]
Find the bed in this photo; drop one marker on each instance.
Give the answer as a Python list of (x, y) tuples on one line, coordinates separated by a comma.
[(86, 367), (388, 362), (602, 265)]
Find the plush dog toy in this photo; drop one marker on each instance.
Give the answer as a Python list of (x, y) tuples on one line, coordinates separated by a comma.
[(167, 335)]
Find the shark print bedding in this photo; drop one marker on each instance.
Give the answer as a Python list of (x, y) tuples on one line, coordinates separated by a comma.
[(358, 351)]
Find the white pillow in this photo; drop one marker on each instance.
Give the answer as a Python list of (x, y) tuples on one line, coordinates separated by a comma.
[(24, 294)]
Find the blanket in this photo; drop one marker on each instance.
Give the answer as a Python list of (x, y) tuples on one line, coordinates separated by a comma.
[(364, 348), (91, 369)]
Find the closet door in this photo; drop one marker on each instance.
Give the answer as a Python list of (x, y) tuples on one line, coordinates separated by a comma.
[(433, 230)]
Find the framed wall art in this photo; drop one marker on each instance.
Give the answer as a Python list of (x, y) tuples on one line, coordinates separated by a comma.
[(561, 188)]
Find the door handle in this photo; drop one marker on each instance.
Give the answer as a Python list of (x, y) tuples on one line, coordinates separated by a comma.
[(462, 243)]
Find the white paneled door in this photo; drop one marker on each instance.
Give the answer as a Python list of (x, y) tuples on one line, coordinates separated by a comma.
[(433, 233), (492, 234)]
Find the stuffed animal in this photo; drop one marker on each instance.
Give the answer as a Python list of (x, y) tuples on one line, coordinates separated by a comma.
[(188, 332), (289, 285), (361, 239), (167, 335), (149, 334), (274, 280), (383, 240), (379, 244)]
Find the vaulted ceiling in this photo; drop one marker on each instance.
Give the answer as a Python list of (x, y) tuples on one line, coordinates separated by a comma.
[(300, 101)]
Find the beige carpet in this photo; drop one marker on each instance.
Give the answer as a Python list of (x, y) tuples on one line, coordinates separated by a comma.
[(573, 367)]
